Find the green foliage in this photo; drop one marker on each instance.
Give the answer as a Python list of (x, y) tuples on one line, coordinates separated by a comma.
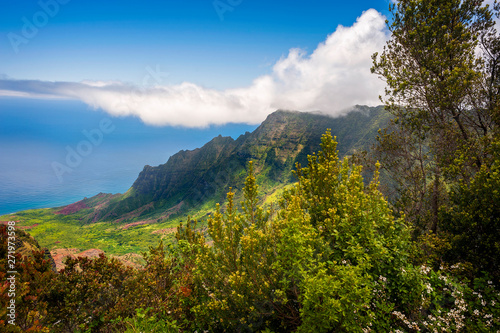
[(441, 152), (144, 322), (444, 95), (88, 294), (67, 231), (311, 266), (442, 72), (452, 306), (333, 258), (34, 276), (235, 270), (472, 221), (103, 295), (364, 242)]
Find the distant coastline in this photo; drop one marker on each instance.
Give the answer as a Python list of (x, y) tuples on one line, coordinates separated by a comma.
[(35, 133)]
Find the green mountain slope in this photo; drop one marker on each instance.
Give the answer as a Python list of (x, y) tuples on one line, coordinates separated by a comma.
[(201, 177)]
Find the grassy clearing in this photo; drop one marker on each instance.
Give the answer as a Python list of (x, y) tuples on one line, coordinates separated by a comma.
[(67, 231)]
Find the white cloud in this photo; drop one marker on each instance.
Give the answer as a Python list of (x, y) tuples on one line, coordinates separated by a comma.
[(333, 78)]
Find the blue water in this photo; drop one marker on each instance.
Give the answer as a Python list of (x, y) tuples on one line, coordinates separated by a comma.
[(36, 137)]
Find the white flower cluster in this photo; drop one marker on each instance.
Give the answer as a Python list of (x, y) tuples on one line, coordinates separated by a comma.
[(489, 318), (424, 269), (445, 319), (428, 288), (402, 317), (443, 278)]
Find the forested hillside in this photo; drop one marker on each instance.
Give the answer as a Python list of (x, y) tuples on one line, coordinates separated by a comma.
[(193, 179)]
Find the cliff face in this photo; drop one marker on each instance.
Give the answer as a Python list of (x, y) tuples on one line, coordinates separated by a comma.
[(192, 178), (182, 169)]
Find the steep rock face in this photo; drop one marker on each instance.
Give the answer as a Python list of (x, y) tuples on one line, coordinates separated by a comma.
[(182, 169), (191, 178)]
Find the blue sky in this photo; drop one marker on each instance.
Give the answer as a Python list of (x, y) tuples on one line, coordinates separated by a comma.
[(193, 63), (117, 40)]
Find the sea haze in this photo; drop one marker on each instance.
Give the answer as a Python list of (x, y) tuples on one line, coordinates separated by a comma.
[(36, 135)]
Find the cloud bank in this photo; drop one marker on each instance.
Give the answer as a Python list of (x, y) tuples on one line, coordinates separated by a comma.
[(333, 78)]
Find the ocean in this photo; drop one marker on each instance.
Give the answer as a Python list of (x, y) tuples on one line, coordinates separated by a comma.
[(56, 152)]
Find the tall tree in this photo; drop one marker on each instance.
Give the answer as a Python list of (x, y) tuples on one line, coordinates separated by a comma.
[(441, 68)]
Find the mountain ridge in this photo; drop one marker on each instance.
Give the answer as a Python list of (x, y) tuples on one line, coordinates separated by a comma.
[(202, 176)]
